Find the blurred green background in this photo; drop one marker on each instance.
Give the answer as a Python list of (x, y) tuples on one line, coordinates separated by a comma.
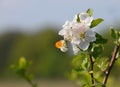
[(48, 61)]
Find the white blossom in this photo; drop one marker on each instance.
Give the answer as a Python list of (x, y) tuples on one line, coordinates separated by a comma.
[(77, 33)]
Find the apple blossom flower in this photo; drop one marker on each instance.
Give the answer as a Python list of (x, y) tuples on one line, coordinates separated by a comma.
[(77, 33), (83, 38)]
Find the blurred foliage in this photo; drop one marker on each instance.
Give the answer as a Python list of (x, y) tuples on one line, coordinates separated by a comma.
[(21, 69), (39, 48)]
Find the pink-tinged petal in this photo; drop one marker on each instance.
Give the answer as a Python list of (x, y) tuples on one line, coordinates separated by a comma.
[(90, 36), (90, 33), (84, 45), (75, 19), (83, 16), (62, 32), (88, 21)]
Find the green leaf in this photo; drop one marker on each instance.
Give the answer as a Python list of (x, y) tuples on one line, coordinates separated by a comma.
[(113, 33), (78, 18), (97, 83), (77, 60), (96, 22), (90, 12), (85, 64), (119, 37), (97, 50), (100, 39), (80, 62), (119, 34), (102, 63)]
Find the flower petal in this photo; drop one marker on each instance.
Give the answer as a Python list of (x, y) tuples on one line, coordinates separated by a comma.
[(83, 17), (62, 32), (75, 18), (84, 45), (88, 21), (90, 35)]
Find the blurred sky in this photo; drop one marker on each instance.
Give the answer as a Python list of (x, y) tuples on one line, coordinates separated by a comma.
[(32, 13)]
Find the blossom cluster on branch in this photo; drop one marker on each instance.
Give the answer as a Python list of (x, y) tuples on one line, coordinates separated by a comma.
[(89, 65), (78, 32)]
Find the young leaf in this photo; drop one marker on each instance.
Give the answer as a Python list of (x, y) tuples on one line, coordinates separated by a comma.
[(76, 62), (21, 70), (78, 18), (22, 63), (119, 34), (97, 83), (97, 50), (113, 33), (102, 63), (96, 22), (85, 64), (90, 12), (100, 39)]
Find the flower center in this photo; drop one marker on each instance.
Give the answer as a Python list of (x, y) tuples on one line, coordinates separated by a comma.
[(82, 35), (59, 44)]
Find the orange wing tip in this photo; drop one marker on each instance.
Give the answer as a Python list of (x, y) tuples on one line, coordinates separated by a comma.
[(59, 44)]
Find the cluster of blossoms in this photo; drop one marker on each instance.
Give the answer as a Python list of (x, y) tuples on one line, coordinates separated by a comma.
[(78, 33)]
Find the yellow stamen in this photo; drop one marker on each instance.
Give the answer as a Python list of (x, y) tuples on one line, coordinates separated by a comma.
[(59, 44), (82, 35)]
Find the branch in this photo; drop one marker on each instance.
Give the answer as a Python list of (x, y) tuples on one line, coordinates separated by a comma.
[(91, 74), (109, 68)]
